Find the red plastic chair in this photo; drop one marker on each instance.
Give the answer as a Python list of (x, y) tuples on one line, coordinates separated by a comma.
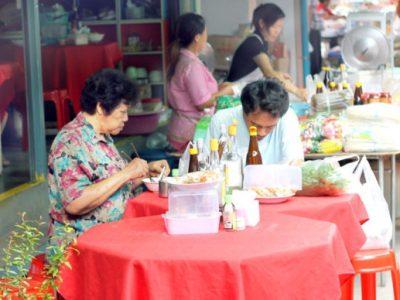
[(367, 263), (60, 99)]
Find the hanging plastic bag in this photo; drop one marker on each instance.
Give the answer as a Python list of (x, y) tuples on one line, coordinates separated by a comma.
[(378, 228), (326, 177)]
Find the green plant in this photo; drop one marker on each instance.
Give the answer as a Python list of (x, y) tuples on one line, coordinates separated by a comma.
[(21, 249)]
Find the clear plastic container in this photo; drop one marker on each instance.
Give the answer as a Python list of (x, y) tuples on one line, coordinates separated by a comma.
[(192, 225), (193, 203)]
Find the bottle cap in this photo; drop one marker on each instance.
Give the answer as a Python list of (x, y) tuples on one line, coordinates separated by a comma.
[(175, 173), (326, 68), (342, 67), (332, 84), (232, 130), (320, 85), (193, 151), (214, 144), (358, 84), (253, 131), (345, 85)]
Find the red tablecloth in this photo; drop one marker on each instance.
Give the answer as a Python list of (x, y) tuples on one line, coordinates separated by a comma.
[(283, 257), (67, 67), (346, 211)]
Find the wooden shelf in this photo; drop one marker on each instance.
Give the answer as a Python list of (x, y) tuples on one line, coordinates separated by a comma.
[(142, 52), (140, 21), (99, 22)]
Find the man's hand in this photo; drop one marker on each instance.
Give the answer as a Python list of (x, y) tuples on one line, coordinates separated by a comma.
[(155, 168)]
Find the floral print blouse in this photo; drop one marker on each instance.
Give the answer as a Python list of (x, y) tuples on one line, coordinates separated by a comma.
[(79, 157)]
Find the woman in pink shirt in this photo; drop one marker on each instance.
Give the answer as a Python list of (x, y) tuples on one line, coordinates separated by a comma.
[(192, 89)]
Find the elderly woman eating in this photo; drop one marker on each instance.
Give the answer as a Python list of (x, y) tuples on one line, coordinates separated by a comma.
[(89, 182)]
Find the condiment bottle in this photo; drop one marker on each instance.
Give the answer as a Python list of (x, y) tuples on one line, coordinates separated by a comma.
[(320, 88), (223, 139), (253, 154), (228, 214), (358, 94), (343, 72), (232, 161), (327, 76), (193, 162), (214, 156)]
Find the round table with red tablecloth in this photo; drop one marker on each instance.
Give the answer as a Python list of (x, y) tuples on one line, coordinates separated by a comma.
[(298, 251)]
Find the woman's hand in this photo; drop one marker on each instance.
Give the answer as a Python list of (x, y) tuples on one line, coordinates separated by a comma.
[(225, 88), (155, 167), (137, 168), (302, 94)]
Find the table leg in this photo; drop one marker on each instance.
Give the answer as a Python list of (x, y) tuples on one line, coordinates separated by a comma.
[(381, 179), (394, 200)]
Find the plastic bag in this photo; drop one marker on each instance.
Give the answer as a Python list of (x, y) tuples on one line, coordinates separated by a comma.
[(378, 228), (324, 177)]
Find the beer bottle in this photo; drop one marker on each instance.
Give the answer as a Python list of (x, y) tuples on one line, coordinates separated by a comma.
[(358, 94), (253, 154), (320, 88), (332, 86), (193, 162), (327, 76)]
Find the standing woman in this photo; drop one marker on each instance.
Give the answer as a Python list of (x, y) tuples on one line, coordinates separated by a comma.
[(251, 62), (192, 89)]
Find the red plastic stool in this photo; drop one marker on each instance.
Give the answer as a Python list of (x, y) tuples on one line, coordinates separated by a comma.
[(60, 99), (367, 263)]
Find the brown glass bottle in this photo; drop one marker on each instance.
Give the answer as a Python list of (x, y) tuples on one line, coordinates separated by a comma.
[(253, 154), (327, 76), (358, 94), (332, 86), (320, 88), (193, 162)]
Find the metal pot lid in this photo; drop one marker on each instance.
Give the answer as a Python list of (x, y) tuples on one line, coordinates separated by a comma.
[(365, 48)]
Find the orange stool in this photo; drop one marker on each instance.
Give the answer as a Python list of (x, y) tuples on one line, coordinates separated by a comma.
[(60, 99), (367, 263)]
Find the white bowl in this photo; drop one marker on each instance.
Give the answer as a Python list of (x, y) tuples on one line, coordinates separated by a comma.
[(95, 37), (151, 185)]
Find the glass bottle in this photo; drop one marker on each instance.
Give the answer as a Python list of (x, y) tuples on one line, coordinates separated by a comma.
[(223, 139), (193, 162), (327, 76), (232, 162), (320, 88), (253, 154), (214, 155), (343, 73), (332, 86), (358, 94), (202, 156)]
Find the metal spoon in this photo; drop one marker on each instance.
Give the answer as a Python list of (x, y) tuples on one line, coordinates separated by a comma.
[(158, 179)]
